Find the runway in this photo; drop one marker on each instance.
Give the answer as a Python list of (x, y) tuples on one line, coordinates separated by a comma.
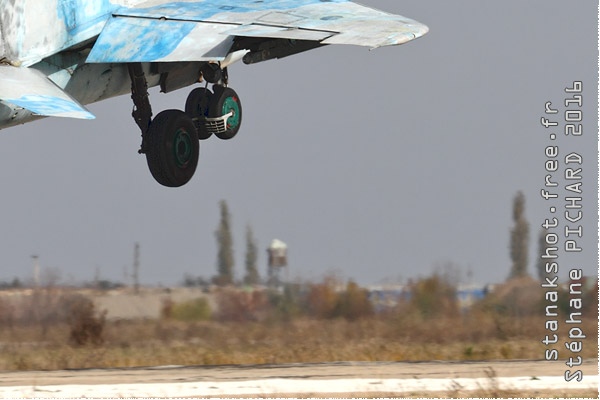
[(345, 379)]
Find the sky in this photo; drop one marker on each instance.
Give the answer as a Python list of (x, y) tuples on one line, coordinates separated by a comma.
[(379, 165)]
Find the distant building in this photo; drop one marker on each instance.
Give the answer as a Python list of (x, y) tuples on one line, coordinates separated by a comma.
[(467, 295), (387, 297)]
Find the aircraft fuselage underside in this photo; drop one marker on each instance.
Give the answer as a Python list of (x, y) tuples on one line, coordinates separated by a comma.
[(90, 83), (172, 156), (78, 52)]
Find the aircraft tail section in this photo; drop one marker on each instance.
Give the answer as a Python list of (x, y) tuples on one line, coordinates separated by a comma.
[(32, 90)]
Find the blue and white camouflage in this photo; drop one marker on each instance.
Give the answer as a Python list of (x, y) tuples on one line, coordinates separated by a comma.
[(58, 55)]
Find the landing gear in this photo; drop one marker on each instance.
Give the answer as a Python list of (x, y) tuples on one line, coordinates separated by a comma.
[(196, 106), (170, 140), (172, 148), (218, 113), (225, 113)]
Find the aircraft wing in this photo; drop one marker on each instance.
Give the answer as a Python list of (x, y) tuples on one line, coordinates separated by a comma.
[(32, 90), (159, 30)]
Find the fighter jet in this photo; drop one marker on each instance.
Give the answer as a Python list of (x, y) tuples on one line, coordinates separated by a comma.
[(58, 55)]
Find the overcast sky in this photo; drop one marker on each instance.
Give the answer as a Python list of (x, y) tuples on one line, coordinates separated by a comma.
[(379, 165)]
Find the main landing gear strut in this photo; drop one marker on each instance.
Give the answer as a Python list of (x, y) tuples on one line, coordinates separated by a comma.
[(170, 140)]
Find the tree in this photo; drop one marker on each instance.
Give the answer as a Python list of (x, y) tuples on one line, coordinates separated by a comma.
[(354, 303), (519, 238), (225, 259), (322, 299), (252, 277), (434, 296)]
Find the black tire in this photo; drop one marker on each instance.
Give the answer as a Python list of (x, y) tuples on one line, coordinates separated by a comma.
[(224, 101), (172, 148), (196, 106)]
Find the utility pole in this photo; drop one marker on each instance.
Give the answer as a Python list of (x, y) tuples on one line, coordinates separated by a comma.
[(36, 270), (136, 267), (97, 277)]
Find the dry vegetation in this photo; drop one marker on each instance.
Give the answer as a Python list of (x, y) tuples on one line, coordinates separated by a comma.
[(314, 323)]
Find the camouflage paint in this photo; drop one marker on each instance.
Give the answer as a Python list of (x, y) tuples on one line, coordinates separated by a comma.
[(154, 31)]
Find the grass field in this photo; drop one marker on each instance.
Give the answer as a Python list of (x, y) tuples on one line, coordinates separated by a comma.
[(159, 342), (59, 329)]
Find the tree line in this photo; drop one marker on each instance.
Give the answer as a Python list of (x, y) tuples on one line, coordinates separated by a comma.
[(225, 253)]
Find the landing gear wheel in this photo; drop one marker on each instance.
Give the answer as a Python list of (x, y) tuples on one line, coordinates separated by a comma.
[(226, 101), (196, 106), (172, 148)]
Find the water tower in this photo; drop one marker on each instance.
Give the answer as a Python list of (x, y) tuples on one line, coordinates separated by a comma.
[(277, 252)]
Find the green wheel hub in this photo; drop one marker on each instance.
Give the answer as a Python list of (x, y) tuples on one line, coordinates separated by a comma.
[(231, 104), (182, 147), (226, 102)]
